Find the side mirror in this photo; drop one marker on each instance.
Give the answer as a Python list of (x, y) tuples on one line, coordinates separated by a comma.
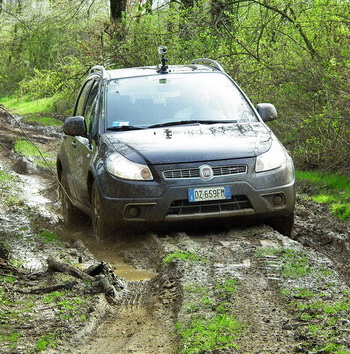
[(75, 126), (267, 111)]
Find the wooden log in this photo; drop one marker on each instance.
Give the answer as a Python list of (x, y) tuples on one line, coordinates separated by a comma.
[(49, 289), (99, 280), (58, 266)]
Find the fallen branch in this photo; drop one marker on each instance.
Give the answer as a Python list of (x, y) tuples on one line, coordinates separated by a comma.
[(100, 275), (58, 266), (49, 289)]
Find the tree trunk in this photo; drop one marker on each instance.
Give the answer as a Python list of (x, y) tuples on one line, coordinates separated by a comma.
[(188, 3), (117, 8)]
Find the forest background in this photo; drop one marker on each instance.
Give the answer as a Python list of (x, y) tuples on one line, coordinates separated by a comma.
[(294, 54)]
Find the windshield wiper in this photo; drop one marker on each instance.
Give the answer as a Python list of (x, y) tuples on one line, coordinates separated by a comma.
[(184, 122), (125, 127)]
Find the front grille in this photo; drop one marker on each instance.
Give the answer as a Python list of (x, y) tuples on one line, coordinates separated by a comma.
[(194, 172), (184, 207)]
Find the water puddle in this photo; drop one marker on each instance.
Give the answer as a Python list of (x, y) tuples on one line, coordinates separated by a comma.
[(120, 267), (129, 273), (125, 270)]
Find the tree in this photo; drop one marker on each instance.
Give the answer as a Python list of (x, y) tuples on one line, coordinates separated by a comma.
[(117, 8)]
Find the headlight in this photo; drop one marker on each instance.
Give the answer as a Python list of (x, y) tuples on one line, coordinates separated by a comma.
[(121, 167), (273, 158)]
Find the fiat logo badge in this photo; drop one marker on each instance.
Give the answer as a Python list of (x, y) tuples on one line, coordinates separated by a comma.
[(206, 172)]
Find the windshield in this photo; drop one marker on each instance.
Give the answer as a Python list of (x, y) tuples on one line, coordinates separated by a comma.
[(205, 98)]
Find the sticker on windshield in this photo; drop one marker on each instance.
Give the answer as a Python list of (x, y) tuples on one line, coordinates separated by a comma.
[(120, 124)]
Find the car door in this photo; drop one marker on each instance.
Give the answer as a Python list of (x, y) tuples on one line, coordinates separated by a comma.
[(82, 148)]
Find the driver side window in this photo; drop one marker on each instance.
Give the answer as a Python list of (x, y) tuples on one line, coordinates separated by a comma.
[(91, 110), (80, 105)]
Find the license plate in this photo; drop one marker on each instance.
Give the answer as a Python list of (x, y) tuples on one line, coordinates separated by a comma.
[(209, 193)]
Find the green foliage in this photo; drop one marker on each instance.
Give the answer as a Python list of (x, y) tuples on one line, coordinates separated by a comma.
[(303, 293), (337, 182), (5, 178), (331, 189), (23, 105), (342, 211), (210, 325), (26, 148), (35, 152), (182, 256), (294, 55), (229, 286), (296, 264), (47, 341), (49, 237), (324, 322), (13, 339), (203, 334), (45, 121), (319, 305), (53, 296)]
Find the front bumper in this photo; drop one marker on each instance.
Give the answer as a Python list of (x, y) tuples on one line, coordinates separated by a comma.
[(130, 203)]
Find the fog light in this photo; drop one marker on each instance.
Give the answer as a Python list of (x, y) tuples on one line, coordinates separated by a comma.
[(277, 199), (134, 211)]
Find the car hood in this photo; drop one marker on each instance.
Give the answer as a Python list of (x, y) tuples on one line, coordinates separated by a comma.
[(181, 144)]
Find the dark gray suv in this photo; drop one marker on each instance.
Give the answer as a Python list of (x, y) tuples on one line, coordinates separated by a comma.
[(149, 146)]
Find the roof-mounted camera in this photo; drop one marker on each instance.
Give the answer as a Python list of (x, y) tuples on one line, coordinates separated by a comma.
[(163, 67)]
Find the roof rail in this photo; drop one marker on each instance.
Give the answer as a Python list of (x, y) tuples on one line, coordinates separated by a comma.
[(209, 62), (99, 68)]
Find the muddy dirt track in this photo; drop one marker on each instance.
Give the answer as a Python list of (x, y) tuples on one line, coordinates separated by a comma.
[(219, 290)]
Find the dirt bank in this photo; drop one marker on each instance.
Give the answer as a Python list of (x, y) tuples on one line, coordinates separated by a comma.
[(246, 290)]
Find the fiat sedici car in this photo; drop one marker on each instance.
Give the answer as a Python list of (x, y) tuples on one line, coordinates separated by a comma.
[(152, 146)]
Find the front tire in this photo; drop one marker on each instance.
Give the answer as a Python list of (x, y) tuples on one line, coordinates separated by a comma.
[(99, 227), (284, 225)]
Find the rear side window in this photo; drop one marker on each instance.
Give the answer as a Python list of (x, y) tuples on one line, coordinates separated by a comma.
[(144, 101)]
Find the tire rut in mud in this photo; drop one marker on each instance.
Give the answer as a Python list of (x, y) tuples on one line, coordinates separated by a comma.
[(142, 320), (191, 288)]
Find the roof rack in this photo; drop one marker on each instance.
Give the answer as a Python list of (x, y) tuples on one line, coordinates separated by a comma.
[(99, 68), (209, 62)]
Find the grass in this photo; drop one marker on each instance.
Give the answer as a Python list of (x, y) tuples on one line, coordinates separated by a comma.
[(182, 257), (36, 153), (26, 148), (7, 190), (13, 339), (49, 237), (210, 325), (15, 313), (42, 120), (315, 300), (331, 189), (295, 264), (6, 183), (332, 181), (218, 332), (47, 341), (36, 111), (23, 105), (5, 178)]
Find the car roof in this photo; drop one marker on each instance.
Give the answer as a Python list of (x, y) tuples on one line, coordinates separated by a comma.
[(195, 66)]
